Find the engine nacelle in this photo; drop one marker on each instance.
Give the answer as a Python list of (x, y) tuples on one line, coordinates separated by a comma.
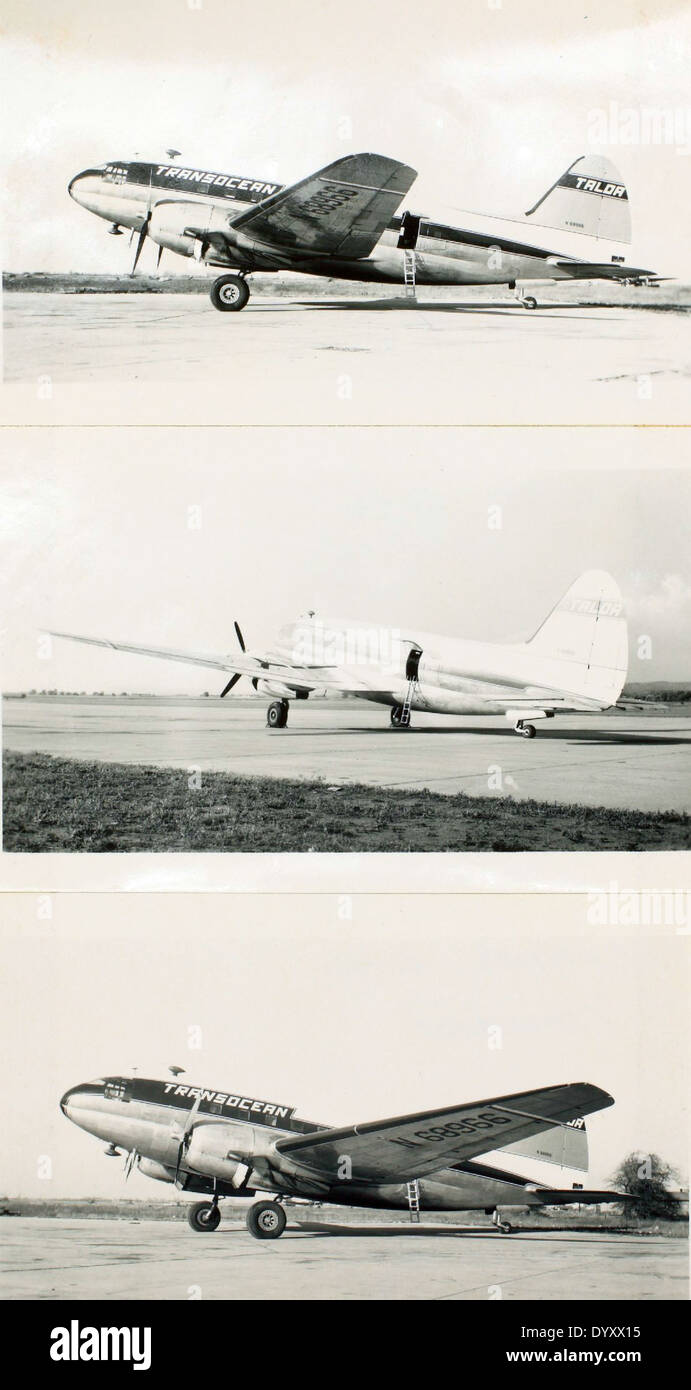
[(280, 692), (151, 1169), (221, 1151)]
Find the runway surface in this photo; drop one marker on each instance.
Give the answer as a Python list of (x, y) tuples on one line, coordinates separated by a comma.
[(481, 359), (629, 761), (60, 1258)]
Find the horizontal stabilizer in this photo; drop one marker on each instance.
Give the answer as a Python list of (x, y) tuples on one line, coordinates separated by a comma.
[(590, 198), (564, 1196), (605, 270)]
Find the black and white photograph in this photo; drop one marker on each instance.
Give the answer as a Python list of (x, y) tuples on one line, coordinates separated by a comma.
[(442, 1123), (350, 641), (345, 676), (389, 214)]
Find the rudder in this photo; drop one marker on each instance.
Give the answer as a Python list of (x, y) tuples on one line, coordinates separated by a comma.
[(586, 631)]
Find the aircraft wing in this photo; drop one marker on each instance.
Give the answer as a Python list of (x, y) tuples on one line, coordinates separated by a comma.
[(341, 210), (338, 679), (410, 1146)]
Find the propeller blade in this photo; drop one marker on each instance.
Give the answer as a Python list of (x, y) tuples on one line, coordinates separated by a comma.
[(233, 681), (130, 1162), (182, 1147), (140, 245), (158, 258), (240, 637)]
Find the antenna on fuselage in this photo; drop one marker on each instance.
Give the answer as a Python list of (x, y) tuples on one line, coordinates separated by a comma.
[(173, 154), (176, 1071)]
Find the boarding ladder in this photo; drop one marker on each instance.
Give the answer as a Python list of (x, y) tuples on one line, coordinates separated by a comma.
[(408, 702), (414, 1200), (409, 273)]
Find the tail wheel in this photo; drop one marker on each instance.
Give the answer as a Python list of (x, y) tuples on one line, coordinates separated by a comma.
[(528, 731), (204, 1216), (266, 1220), (505, 1227), (529, 302), (277, 714), (229, 293)]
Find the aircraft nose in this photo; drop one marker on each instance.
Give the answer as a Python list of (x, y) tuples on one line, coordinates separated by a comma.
[(80, 184)]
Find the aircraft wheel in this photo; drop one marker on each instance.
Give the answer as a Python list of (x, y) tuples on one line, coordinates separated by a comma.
[(505, 1227), (204, 1216), (229, 293), (529, 302), (266, 1220), (528, 731), (397, 720), (277, 714)]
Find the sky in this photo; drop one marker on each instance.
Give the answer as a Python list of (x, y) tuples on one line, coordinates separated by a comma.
[(165, 537), (338, 1007), (490, 100)]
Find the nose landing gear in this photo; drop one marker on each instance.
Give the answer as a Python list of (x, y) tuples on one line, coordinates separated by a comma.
[(230, 293)]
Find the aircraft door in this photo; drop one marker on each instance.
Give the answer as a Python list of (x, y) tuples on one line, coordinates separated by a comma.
[(410, 231), (412, 665)]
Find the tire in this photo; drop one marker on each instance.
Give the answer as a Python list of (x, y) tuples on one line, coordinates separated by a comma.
[(266, 1220), (229, 293), (530, 302), (204, 1216), (528, 731), (505, 1227), (397, 721), (277, 715)]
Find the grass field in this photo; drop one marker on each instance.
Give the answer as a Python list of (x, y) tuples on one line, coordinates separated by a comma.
[(60, 804)]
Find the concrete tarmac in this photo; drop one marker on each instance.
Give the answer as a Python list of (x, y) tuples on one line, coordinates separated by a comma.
[(60, 1258), (632, 761), (478, 358)]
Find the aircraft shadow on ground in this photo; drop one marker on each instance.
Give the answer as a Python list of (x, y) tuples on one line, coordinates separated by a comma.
[(309, 1229), (595, 737), (502, 310)]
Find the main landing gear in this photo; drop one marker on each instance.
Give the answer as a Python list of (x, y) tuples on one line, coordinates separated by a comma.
[(277, 714), (230, 293), (266, 1220), (204, 1216)]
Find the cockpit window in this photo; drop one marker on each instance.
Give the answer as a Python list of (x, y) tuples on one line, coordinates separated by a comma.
[(117, 1090), (114, 173)]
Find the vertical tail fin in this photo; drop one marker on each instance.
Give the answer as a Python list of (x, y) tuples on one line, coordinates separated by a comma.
[(585, 639), (565, 1145), (590, 198)]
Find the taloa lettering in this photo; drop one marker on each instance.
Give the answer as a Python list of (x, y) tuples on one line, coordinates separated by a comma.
[(606, 190)]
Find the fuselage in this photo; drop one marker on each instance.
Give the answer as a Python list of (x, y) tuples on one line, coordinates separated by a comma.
[(229, 1132), (451, 675), (134, 193)]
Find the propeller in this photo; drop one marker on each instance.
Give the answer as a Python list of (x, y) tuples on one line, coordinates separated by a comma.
[(144, 232), (184, 1137), (130, 1162), (238, 674)]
